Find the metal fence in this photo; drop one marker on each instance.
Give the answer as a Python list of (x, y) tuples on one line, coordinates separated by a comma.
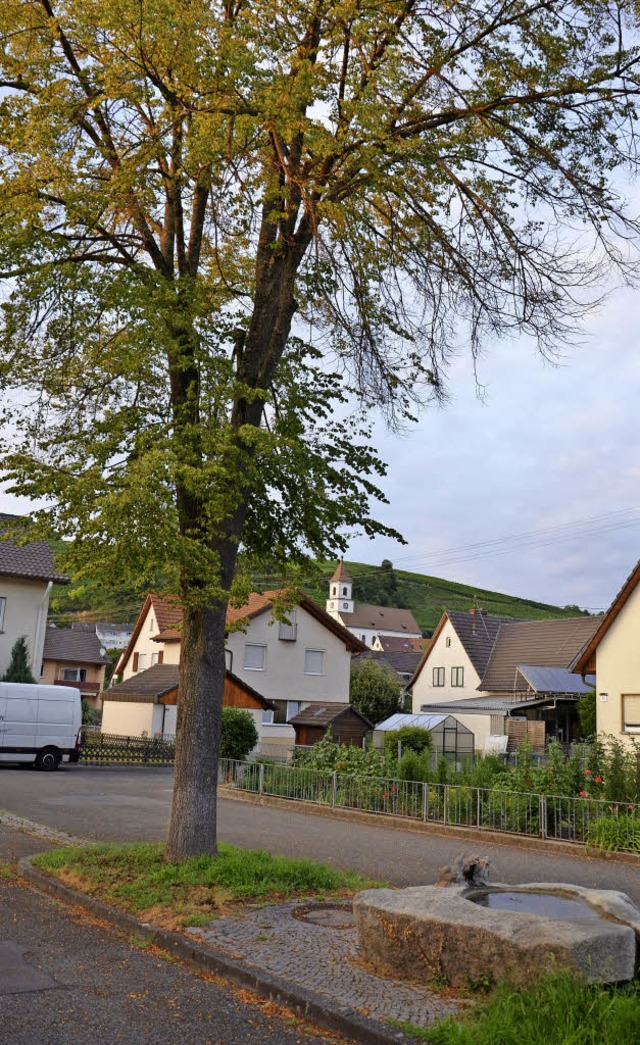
[(614, 825)]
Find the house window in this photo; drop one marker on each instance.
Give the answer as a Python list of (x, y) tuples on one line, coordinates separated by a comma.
[(287, 630), (438, 677), (631, 712), (255, 657), (447, 641), (457, 676), (285, 710), (157, 658), (3, 603), (314, 662), (74, 674), (142, 661)]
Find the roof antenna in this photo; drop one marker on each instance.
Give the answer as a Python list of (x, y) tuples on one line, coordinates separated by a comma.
[(474, 610)]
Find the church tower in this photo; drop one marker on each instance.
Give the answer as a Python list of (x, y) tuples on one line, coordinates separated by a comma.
[(340, 601)]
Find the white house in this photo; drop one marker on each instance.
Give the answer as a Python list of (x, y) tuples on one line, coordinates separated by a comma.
[(364, 621), (292, 664), (27, 574), (613, 655), (489, 671)]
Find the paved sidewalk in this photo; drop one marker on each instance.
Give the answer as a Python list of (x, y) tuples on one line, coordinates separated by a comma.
[(67, 979), (315, 945)]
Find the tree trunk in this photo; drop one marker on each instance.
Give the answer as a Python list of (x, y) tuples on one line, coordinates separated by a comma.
[(192, 828)]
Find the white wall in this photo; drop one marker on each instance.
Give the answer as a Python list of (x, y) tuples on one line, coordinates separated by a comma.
[(25, 613), (129, 719), (618, 668), (448, 657), (284, 677)]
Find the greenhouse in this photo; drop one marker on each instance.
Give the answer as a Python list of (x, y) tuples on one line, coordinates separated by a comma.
[(450, 737)]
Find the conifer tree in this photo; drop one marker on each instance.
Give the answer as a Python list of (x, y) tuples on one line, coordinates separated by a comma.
[(19, 669)]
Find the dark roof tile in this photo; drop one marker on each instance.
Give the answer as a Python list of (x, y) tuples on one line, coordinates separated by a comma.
[(73, 644), (26, 560)]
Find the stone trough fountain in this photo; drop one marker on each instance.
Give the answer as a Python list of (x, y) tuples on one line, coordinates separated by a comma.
[(467, 931)]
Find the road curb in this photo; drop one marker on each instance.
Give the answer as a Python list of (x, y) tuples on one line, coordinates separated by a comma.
[(399, 823), (316, 1008)]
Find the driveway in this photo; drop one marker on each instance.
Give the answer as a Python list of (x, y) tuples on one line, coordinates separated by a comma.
[(116, 802)]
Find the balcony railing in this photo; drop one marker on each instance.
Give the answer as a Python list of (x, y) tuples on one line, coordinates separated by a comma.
[(84, 687)]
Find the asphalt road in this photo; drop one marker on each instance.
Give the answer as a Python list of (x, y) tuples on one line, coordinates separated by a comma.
[(116, 802), (67, 980)]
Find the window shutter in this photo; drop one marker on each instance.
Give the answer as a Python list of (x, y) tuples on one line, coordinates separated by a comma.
[(136, 658), (160, 657)]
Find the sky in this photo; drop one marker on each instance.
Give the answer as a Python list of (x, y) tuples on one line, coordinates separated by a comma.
[(548, 448)]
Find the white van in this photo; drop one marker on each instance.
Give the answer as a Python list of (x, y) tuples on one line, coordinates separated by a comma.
[(39, 724)]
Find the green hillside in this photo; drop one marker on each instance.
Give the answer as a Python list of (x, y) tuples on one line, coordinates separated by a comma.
[(425, 596)]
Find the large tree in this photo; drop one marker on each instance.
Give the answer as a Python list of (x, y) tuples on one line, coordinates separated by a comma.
[(209, 209)]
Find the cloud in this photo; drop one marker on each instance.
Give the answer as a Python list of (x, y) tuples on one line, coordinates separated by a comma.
[(548, 446)]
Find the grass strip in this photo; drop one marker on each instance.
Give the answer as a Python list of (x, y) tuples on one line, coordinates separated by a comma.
[(138, 879), (559, 1010)]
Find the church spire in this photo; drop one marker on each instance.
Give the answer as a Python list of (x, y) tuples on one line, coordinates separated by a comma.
[(340, 599)]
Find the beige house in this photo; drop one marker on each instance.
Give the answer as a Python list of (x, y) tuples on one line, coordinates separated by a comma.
[(291, 664), (74, 657), (147, 703), (27, 575), (613, 655), (501, 677), (368, 623)]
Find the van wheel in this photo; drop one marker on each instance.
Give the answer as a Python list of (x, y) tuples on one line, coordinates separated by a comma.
[(48, 759)]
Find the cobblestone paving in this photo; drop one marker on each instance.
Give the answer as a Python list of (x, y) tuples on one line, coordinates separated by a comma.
[(323, 959)]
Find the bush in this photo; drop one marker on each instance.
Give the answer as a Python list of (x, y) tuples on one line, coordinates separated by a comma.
[(239, 733), (375, 690), (414, 737)]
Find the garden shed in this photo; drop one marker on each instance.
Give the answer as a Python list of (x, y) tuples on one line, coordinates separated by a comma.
[(347, 725), (450, 737)]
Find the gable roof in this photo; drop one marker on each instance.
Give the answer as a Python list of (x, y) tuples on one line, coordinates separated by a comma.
[(73, 644), (387, 618), (325, 714), (156, 681), (402, 644), (168, 612), (585, 661), (477, 632), (538, 643), (161, 679), (402, 662), (34, 560)]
